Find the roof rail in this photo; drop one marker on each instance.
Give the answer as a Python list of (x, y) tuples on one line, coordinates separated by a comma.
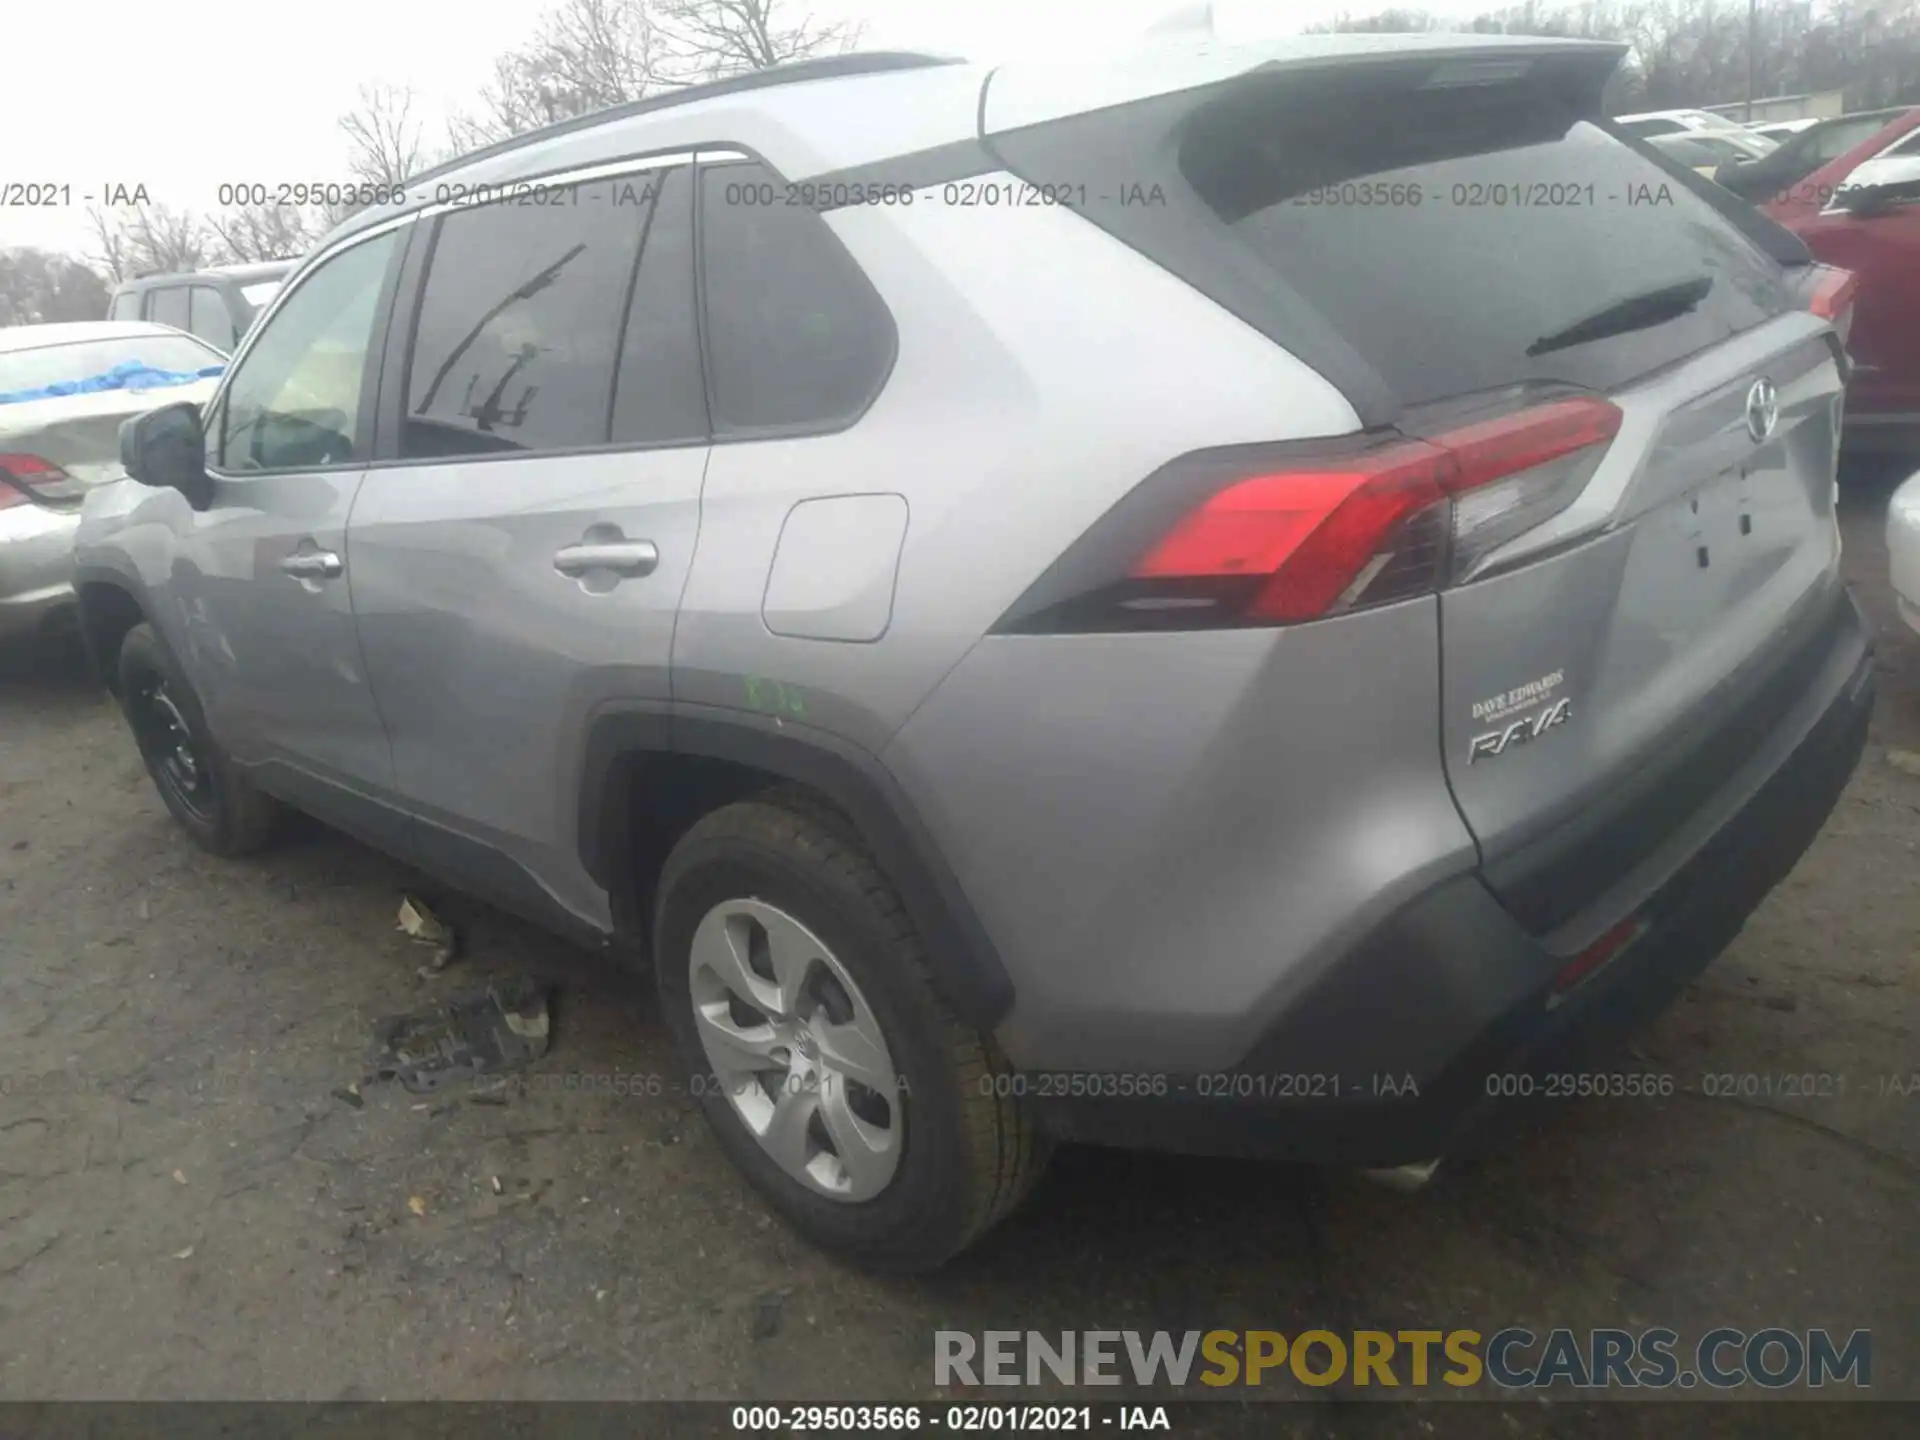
[(825, 67)]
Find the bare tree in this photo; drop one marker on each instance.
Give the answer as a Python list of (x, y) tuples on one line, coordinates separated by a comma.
[(146, 239), (586, 56), (590, 54), (1696, 52), (108, 246), (385, 143), (37, 287), (713, 38), (244, 233)]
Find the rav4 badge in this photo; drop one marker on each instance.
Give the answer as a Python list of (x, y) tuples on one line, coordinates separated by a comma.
[(1532, 727)]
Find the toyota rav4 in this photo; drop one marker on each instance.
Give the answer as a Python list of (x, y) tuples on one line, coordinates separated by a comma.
[(1234, 600)]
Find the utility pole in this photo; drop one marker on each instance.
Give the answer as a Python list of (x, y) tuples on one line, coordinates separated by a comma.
[(1753, 51)]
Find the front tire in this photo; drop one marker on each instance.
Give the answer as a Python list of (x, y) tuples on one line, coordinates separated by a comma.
[(213, 802), (833, 1072)]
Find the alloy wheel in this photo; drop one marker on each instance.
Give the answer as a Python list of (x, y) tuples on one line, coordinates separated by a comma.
[(796, 1049)]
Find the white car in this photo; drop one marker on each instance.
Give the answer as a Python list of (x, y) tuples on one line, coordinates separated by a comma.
[(1898, 164), (54, 447), (1778, 130), (1677, 122), (1903, 549), (1706, 151)]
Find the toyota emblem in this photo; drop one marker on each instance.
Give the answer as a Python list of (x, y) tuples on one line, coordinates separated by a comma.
[(1763, 410)]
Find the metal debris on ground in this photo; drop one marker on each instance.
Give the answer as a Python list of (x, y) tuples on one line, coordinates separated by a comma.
[(423, 927), (767, 1312), (502, 1027)]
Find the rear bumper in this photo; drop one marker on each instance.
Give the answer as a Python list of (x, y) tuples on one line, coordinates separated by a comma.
[(1443, 1025), (36, 567)]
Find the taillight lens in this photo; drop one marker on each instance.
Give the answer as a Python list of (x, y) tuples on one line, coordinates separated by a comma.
[(1830, 293), (30, 479), (1306, 536)]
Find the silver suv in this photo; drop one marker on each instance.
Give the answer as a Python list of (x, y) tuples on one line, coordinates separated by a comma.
[(1242, 600)]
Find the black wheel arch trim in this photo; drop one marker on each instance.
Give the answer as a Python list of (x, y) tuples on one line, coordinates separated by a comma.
[(958, 947), (105, 667)]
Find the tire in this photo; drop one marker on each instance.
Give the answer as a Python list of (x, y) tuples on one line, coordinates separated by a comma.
[(966, 1154), (222, 811)]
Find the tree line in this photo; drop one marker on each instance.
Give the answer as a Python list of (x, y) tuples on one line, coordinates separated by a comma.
[(585, 55), (1696, 52)]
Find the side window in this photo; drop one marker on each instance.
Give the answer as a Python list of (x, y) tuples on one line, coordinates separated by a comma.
[(1910, 145), (797, 338), (518, 332), (168, 306), (1839, 139), (659, 397), (294, 402), (126, 306), (210, 318)]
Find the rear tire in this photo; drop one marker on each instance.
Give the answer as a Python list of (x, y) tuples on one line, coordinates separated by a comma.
[(215, 804), (966, 1153)]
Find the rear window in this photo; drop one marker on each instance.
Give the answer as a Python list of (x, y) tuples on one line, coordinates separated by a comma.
[(89, 359), (1460, 239)]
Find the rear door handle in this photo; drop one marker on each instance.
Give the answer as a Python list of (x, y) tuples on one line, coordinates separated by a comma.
[(623, 557), (312, 565)]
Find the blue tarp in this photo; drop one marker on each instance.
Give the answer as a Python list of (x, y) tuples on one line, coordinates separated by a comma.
[(131, 375)]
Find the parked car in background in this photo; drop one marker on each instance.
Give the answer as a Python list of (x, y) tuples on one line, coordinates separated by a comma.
[(1893, 166), (1706, 151), (1871, 228), (1903, 550), (1649, 123), (55, 447), (1779, 130), (974, 646), (1786, 182), (217, 304)]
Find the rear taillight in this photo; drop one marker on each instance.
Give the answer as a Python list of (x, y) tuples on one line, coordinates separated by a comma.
[(1831, 294), (29, 480), (1312, 534)]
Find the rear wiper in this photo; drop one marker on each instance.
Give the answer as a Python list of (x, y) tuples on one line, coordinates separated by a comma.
[(1636, 312)]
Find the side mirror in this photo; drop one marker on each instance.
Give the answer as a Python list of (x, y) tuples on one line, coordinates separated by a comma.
[(167, 449)]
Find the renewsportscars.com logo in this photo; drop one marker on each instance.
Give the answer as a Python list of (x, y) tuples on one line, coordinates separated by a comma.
[(1512, 1359)]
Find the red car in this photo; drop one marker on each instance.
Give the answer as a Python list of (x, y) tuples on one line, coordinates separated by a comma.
[(1861, 212)]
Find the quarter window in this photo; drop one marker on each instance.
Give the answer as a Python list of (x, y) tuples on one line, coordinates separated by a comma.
[(797, 338), (295, 401)]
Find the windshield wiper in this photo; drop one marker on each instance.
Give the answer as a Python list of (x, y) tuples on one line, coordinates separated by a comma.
[(1636, 312)]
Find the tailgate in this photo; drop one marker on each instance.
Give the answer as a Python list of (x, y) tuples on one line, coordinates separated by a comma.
[(1601, 700), (1462, 246)]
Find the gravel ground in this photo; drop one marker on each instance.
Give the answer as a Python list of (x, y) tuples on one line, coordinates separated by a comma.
[(186, 1210)]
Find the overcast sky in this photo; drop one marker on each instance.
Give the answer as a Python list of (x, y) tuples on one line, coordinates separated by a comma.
[(182, 99)]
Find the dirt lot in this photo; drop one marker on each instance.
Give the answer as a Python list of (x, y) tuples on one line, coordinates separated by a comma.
[(186, 1210)]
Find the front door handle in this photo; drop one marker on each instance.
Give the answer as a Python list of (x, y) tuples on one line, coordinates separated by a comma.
[(312, 565), (623, 557)]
